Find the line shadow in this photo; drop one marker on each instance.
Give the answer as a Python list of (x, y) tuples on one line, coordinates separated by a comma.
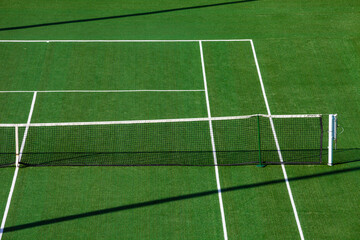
[(124, 16), (166, 200)]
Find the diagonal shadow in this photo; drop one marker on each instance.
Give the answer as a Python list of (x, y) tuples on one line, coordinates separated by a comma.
[(124, 16), (166, 200)]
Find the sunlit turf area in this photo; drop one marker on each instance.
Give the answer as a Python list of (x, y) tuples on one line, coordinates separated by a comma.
[(308, 54)]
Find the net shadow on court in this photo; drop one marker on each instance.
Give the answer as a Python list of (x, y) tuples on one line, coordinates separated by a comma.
[(346, 155), (191, 158)]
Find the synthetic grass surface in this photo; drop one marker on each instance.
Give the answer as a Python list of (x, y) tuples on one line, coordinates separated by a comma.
[(53, 107), (332, 210), (234, 87), (165, 19), (109, 66), (6, 175), (309, 57), (105, 203), (31, 224), (13, 109)]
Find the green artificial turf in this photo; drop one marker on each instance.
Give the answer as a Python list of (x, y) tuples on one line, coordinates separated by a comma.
[(53, 107), (102, 66), (107, 202), (6, 175), (14, 108), (309, 56), (331, 211), (234, 87), (164, 19)]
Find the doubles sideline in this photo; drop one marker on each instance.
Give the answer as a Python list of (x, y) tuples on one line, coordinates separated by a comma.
[(277, 144), (17, 168)]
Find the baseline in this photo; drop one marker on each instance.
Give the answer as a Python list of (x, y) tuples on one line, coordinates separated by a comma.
[(105, 91), (133, 41)]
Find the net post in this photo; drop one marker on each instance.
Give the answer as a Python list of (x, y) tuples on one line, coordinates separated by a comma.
[(17, 145), (331, 137), (259, 137), (335, 130)]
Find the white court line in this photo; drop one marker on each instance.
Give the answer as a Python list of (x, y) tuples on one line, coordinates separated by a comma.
[(213, 144), (17, 169), (27, 127), (106, 91), (124, 41), (277, 145)]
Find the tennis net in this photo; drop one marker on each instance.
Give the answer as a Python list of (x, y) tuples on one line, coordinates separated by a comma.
[(7, 146), (254, 139)]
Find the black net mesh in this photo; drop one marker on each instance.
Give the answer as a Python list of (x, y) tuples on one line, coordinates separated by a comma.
[(299, 139), (173, 143), (253, 141), (7, 146), (236, 141), (241, 141)]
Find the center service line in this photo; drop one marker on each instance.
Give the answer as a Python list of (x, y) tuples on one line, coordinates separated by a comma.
[(213, 144)]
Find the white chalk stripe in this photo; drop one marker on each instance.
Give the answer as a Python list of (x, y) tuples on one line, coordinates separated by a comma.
[(277, 145), (122, 41), (213, 145), (105, 91), (16, 170)]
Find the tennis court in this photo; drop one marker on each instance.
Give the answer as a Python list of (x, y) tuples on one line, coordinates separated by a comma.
[(71, 81)]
